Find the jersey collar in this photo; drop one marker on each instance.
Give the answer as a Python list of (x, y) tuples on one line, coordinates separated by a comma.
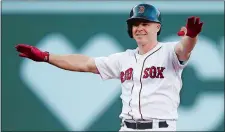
[(159, 45)]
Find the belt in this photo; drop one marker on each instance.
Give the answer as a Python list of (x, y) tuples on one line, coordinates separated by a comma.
[(148, 125)]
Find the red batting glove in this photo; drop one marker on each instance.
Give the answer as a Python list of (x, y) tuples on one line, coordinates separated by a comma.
[(32, 53), (194, 27)]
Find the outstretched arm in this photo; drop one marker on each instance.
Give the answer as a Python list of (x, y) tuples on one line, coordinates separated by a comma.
[(72, 62), (190, 36)]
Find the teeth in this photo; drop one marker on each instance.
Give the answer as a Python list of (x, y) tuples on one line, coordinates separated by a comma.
[(140, 34)]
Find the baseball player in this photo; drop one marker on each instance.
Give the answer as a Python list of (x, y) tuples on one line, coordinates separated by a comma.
[(150, 74)]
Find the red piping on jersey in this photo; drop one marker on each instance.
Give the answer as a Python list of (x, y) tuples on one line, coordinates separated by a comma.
[(132, 89), (130, 102), (141, 82), (135, 58)]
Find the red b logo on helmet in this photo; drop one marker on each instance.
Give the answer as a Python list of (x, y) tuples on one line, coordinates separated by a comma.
[(141, 9)]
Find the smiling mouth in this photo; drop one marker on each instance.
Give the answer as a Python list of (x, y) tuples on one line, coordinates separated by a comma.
[(140, 34)]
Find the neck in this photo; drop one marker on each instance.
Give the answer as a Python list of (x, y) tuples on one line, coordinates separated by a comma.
[(145, 47)]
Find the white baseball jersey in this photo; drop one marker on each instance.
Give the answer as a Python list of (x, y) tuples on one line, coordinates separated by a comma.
[(150, 83)]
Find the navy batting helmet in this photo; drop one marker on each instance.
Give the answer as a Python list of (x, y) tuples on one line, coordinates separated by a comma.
[(144, 12)]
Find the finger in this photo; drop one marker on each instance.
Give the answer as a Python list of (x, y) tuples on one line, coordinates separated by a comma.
[(191, 20), (23, 55), (23, 48), (22, 45), (197, 20)]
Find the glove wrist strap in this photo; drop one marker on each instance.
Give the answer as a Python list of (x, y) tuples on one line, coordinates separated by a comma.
[(46, 56), (192, 35)]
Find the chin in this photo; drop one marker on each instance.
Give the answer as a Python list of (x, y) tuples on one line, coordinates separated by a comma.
[(141, 43), (140, 39)]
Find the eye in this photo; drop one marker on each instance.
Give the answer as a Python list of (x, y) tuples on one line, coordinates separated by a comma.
[(136, 24), (144, 24)]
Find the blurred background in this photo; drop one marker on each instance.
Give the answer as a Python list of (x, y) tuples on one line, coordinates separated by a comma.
[(40, 97)]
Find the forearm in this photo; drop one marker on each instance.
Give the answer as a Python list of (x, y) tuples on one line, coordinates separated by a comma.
[(185, 47), (72, 62), (187, 44)]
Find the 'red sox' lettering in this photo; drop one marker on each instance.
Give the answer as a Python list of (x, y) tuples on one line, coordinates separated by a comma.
[(154, 72), (126, 75)]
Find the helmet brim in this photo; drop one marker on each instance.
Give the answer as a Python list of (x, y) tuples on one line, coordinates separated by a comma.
[(140, 19)]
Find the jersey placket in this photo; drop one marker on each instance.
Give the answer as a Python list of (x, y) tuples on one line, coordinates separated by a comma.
[(137, 87), (138, 70)]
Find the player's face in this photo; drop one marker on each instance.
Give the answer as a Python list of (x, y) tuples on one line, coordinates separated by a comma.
[(144, 31)]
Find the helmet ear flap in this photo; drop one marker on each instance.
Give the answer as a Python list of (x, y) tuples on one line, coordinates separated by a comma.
[(129, 30)]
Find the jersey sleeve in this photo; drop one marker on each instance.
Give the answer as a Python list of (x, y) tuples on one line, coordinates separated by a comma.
[(175, 61), (109, 67)]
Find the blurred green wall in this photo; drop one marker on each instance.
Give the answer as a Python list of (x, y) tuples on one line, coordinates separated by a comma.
[(37, 96)]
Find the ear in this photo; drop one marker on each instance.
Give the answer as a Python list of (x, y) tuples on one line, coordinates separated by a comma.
[(158, 26), (132, 30)]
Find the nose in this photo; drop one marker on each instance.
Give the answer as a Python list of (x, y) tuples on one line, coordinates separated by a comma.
[(139, 27)]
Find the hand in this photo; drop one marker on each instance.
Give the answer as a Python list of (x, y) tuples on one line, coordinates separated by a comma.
[(193, 27), (32, 53)]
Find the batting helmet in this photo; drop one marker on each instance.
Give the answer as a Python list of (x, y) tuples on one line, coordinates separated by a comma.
[(144, 12)]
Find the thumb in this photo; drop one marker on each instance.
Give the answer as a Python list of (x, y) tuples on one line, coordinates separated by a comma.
[(23, 55), (182, 31)]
